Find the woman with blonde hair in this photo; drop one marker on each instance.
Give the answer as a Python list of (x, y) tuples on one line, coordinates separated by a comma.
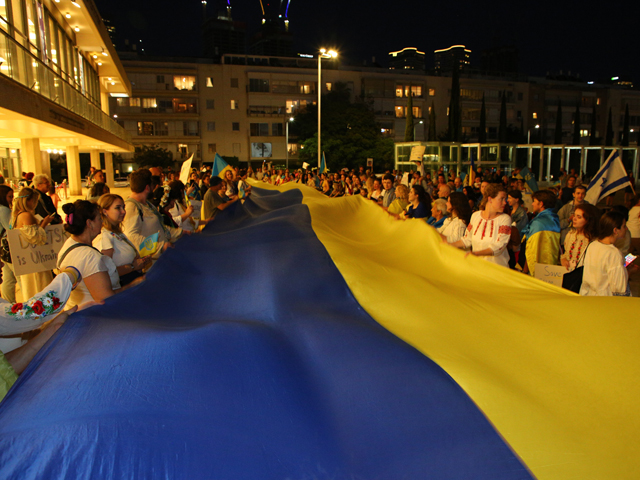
[(112, 242), (23, 219), (401, 202)]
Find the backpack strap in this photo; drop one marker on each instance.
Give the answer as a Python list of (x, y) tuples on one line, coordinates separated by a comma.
[(77, 245)]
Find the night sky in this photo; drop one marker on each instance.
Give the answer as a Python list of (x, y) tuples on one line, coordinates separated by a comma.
[(595, 42)]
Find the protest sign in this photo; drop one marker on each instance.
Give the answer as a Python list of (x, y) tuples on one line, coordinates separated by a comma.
[(550, 273), (186, 168), (416, 153), (29, 258)]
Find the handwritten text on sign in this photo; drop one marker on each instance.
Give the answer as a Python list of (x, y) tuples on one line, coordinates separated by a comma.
[(28, 258), (550, 273)]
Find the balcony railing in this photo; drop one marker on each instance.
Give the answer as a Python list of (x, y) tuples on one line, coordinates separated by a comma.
[(25, 68)]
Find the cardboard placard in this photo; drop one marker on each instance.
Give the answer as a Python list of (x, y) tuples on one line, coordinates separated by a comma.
[(29, 258), (185, 169), (550, 273), (197, 208), (369, 162)]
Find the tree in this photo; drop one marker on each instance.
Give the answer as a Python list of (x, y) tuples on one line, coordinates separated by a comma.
[(608, 141), (482, 134), (350, 133), (432, 124), (153, 156), (576, 125), (592, 134), (502, 129), (408, 129), (558, 136), (455, 119), (624, 140)]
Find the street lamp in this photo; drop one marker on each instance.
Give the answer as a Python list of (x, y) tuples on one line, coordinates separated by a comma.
[(323, 54), (529, 135), (286, 146), (414, 129)]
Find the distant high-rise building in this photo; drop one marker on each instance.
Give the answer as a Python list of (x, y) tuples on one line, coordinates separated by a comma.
[(222, 35), (273, 39), (407, 59), (500, 60), (446, 58)]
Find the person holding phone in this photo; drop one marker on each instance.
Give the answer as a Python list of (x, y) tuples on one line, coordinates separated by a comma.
[(605, 273)]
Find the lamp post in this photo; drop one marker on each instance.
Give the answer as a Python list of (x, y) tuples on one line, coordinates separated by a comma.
[(414, 129), (529, 135), (323, 54), (286, 146)]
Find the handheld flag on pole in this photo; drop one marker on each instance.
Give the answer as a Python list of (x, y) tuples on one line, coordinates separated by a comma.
[(611, 177), (323, 165), (472, 170), (149, 246), (220, 167), (529, 179)]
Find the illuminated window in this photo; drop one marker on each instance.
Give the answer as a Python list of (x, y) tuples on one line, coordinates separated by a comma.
[(584, 133), (149, 103), (210, 84), (328, 86), (400, 112), (535, 115), (121, 102), (145, 128), (134, 102), (598, 101), (432, 92), (306, 87), (399, 91), (293, 106), (212, 148), (234, 105), (417, 112), (416, 90), (184, 82)]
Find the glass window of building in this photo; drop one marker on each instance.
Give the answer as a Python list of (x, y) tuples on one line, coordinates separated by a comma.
[(235, 126), (18, 20), (234, 83), (307, 88), (211, 126), (161, 128), (145, 128), (258, 85), (416, 90), (149, 103), (328, 86), (399, 91), (190, 128), (4, 25), (432, 92), (210, 104), (210, 84), (284, 86), (259, 129), (184, 82), (160, 78), (400, 111), (234, 105), (293, 106), (535, 115), (277, 129), (417, 112)]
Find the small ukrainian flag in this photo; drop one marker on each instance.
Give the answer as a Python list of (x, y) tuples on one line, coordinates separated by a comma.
[(149, 246)]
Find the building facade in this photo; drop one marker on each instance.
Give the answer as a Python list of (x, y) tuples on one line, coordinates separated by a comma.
[(58, 69)]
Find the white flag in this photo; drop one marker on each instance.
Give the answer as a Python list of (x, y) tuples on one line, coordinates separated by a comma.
[(610, 178)]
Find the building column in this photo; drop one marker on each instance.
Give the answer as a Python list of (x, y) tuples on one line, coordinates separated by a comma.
[(45, 163), (95, 159), (30, 155), (108, 166), (73, 171)]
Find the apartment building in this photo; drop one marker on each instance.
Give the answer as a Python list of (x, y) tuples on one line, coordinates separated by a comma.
[(58, 68)]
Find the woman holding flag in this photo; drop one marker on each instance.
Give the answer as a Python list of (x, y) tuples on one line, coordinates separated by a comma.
[(100, 279)]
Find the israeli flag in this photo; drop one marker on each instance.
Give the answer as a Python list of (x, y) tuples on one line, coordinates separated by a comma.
[(611, 177)]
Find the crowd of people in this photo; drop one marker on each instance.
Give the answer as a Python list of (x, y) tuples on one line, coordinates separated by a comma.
[(496, 218)]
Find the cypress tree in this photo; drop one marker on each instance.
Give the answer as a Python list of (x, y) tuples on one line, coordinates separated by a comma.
[(624, 141), (608, 141), (408, 130), (558, 137), (576, 125), (432, 124), (482, 134), (592, 133), (455, 119), (502, 129)]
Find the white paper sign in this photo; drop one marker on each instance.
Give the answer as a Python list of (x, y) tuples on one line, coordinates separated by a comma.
[(405, 179), (416, 153), (197, 208), (305, 165), (186, 168), (28, 258), (550, 273)]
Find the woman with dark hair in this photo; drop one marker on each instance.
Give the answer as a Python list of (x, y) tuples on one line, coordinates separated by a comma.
[(180, 212), (471, 197), (23, 219), (459, 211), (100, 279), (580, 236), (604, 270), (96, 191), (8, 274), (489, 229), (419, 203)]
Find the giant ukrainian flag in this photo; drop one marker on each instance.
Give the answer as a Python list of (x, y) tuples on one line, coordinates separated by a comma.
[(307, 337)]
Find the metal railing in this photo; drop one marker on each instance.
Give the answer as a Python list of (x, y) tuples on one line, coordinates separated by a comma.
[(25, 68)]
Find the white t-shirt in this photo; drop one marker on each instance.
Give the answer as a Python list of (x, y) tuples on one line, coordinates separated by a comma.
[(604, 271), (88, 262), (633, 224), (123, 252)]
